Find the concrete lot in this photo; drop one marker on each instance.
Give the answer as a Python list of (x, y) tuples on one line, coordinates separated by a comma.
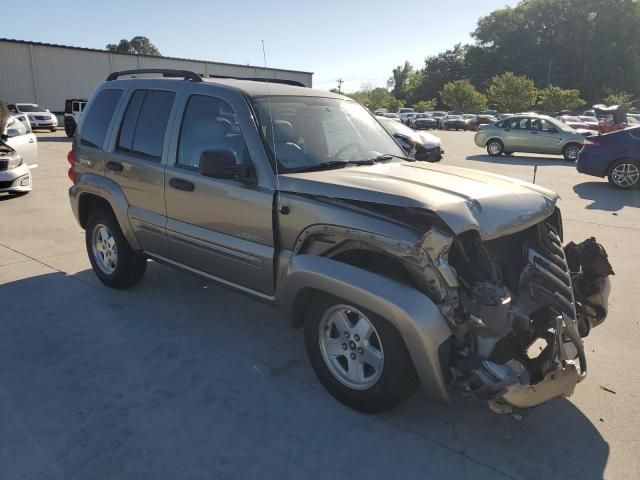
[(181, 379)]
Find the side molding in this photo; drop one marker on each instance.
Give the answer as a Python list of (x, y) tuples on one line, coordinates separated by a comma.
[(414, 315)]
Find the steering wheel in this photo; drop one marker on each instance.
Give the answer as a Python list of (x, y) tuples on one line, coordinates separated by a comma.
[(346, 148)]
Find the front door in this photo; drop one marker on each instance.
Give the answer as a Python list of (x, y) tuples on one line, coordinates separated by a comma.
[(544, 137), (515, 136), (217, 226)]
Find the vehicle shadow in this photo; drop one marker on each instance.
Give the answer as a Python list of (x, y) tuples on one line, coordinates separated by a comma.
[(49, 138), (605, 197), (518, 160), (160, 376), (10, 196)]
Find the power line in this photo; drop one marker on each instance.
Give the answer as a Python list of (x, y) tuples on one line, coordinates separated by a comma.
[(340, 81)]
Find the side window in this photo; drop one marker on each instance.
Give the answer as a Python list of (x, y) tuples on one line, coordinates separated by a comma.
[(502, 124), (24, 121), (145, 123), (18, 127), (547, 126), (513, 123), (94, 129), (524, 123), (209, 124)]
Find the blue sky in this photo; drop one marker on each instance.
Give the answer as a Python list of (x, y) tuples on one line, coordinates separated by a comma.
[(359, 41)]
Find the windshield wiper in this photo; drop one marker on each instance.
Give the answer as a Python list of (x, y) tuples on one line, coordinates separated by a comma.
[(331, 164)]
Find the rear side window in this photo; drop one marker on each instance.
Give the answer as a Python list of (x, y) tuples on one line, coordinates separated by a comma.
[(145, 123), (94, 129)]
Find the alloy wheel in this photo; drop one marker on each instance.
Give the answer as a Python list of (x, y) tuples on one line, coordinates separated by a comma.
[(351, 347), (104, 249), (625, 175)]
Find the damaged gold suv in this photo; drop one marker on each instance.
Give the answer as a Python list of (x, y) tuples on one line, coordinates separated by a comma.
[(400, 271)]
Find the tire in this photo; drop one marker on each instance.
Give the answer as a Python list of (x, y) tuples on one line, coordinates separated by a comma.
[(570, 151), (495, 147), (128, 268), (507, 153), (624, 174), (69, 127), (380, 389), (53, 129)]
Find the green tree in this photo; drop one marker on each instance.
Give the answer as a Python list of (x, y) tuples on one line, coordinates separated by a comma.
[(437, 71), (624, 99), (399, 81), (426, 105), (393, 104), (554, 99), (461, 96), (590, 45), (512, 93), (136, 46)]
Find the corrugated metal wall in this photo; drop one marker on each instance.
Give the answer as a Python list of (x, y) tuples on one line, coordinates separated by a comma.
[(48, 75)]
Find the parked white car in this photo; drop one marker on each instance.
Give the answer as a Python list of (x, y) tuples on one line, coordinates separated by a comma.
[(39, 117), (18, 155)]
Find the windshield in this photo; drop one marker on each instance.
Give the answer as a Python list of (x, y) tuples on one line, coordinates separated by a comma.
[(309, 131), (29, 108), (454, 117), (559, 125), (571, 119)]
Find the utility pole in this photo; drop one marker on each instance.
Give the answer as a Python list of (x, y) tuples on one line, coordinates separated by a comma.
[(549, 73), (340, 82)]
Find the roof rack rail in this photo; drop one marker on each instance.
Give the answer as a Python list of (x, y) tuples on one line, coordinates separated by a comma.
[(166, 72), (294, 83)]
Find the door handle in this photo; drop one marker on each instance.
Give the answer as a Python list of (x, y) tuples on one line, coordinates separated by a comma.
[(114, 166), (31, 140), (180, 184)]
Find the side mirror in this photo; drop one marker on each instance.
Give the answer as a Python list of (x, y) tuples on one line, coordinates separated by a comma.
[(13, 132), (221, 163)]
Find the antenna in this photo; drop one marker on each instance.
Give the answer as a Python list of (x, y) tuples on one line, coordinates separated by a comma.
[(273, 133), (535, 170)]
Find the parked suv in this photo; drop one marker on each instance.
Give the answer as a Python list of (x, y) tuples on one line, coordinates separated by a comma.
[(73, 108), (399, 271)]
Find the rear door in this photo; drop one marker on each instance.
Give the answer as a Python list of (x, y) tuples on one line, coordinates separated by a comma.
[(24, 140), (221, 227), (514, 134), (134, 161)]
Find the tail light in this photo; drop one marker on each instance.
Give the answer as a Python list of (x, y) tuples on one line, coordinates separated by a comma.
[(591, 143), (71, 158)]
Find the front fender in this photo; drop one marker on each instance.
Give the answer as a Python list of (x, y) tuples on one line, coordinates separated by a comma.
[(413, 314)]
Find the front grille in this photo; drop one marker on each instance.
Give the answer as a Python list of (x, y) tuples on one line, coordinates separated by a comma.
[(41, 118), (549, 278), (3, 165), (6, 184)]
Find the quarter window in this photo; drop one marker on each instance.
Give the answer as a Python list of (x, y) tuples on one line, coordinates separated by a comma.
[(209, 124), (99, 115), (144, 124)]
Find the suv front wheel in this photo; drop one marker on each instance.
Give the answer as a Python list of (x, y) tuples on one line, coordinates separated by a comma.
[(112, 259), (358, 356)]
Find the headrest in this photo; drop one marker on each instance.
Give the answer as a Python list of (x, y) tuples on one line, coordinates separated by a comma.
[(283, 132)]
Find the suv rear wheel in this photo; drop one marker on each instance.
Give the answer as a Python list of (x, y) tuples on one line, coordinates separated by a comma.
[(69, 127), (112, 259), (624, 174), (358, 356)]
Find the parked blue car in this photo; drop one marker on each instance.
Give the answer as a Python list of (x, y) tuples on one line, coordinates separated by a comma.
[(613, 155)]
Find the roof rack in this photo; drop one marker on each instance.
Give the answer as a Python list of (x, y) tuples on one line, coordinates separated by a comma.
[(294, 83), (166, 72)]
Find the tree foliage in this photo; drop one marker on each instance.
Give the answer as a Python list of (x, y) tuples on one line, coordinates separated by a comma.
[(437, 71), (426, 105), (399, 82), (624, 99), (555, 99), (136, 46), (461, 96), (512, 93)]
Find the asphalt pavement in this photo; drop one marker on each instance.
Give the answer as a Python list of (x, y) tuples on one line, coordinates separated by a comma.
[(181, 379)]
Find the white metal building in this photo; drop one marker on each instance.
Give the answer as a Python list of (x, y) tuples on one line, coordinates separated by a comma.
[(48, 74)]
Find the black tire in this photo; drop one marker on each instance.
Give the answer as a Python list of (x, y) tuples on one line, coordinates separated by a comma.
[(570, 151), (69, 127), (495, 147), (507, 153), (397, 380), (53, 129), (130, 266), (624, 180)]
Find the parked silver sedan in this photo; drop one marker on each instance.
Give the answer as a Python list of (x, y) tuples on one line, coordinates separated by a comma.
[(18, 155)]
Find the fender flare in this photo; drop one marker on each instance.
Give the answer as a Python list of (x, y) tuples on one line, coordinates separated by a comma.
[(109, 191), (418, 320)]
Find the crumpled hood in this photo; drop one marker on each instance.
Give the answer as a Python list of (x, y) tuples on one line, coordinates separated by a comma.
[(465, 199)]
